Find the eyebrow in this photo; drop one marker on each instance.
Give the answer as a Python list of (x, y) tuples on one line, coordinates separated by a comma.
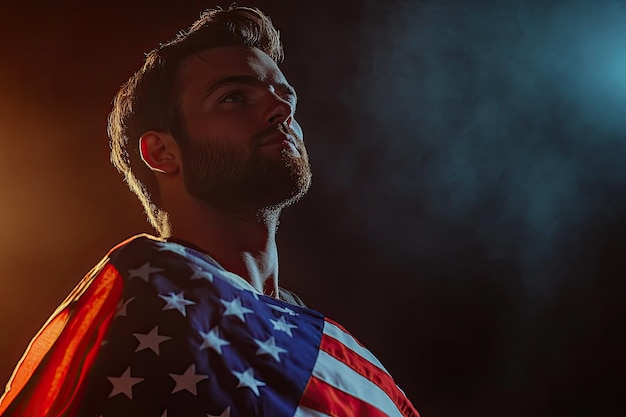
[(253, 81)]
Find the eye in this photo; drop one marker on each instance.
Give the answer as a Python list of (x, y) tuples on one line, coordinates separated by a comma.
[(233, 97)]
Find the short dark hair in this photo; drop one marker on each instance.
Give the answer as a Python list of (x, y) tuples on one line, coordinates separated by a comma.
[(147, 101)]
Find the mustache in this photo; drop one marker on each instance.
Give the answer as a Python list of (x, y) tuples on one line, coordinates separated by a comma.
[(282, 127)]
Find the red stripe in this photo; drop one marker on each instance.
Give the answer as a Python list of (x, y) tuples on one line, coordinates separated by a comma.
[(320, 396), (363, 367), (39, 346), (56, 384)]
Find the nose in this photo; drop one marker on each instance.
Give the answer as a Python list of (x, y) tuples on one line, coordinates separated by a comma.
[(279, 110)]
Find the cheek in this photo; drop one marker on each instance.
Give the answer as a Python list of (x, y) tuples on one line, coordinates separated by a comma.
[(225, 125)]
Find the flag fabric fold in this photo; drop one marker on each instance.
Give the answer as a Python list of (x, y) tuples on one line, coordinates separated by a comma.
[(159, 329)]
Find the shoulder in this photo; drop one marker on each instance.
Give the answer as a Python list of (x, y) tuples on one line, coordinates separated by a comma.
[(290, 297), (136, 245), (144, 256), (153, 260)]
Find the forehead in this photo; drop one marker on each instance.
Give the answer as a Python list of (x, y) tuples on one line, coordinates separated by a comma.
[(209, 66)]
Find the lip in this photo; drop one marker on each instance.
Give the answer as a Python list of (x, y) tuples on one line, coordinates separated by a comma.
[(277, 138)]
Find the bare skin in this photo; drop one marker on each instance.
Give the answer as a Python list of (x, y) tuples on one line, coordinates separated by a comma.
[(238, 230)]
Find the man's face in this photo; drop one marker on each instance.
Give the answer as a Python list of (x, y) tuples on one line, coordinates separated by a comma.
[(242, 144)]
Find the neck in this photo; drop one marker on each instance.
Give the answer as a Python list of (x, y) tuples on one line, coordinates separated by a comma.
[(242, 241)]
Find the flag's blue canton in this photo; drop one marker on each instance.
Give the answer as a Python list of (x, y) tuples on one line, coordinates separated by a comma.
[(187, 342)]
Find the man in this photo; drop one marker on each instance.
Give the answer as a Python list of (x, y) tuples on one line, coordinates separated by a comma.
[(194, 323)]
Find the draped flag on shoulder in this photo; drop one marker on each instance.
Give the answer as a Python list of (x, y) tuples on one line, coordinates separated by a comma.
[(158, 329)]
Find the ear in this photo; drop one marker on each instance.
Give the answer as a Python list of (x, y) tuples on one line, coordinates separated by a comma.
[(160, 152)]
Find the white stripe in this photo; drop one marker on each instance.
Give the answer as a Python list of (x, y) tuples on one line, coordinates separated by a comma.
[(339, 375), (350, 342), (309, 412)]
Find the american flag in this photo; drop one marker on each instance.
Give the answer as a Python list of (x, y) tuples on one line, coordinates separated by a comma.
[(159, 329)]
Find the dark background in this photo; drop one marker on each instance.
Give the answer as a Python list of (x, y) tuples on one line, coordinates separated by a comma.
[(467, 220)]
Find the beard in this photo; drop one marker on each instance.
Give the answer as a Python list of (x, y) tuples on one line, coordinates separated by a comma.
[(227, 174)]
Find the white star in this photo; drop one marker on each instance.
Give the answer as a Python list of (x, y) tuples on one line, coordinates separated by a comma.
[(177, 302), (188, 380), (234, 308), (282, 325), (246, 379), (174, 247), (198, 273), (282, 309), (121, 307), (150, 340), (225, 413), (144, 271), (124, 384), (213, 340), (269, 347)]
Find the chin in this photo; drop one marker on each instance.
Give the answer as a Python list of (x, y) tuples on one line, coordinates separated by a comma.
[(269, 184), (282, 183), (295, 196), (299, 176), (280, 197), (292, 190)]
